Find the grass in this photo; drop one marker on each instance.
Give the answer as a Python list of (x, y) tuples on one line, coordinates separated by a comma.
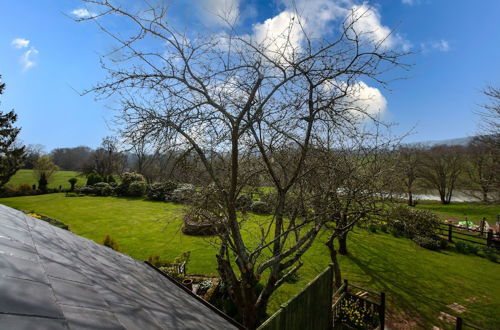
[(419, 283), (472, 211), (59, 178)]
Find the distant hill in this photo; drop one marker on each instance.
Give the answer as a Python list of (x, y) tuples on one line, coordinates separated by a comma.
[(463, 141)]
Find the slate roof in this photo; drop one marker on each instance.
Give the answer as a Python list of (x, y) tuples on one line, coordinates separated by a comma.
[(53, 279)]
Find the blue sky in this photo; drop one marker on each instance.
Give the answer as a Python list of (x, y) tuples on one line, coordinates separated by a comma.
[(457, 45)]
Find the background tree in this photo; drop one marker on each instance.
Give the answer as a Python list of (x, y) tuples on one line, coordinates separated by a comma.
[(11, 153), (32, 152), (483, 169), (71, 159), (246, 107), (43, 169), (441, 168), (490, 116), (408, 162), (107, 159)]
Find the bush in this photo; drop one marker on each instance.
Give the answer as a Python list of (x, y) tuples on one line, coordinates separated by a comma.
[(72, 194), (183, 194), (491, 253), (86, 190), (466, 248), (94, 178), (137, 189), (427, 242), (111, 243), (260, 207), (72, 182), (127, 179), (412, 222), (244, 202), (372, 228), (102, 189), (161, 191)]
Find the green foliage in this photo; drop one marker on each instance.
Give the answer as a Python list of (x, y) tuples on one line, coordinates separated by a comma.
[(158, 261), (137, 189), (244, 202), (467, 248), (42, 183), (161, 191), (491, 253), (412, 222), (111, 243), (428, 242), (11, 155), (72, 182), (127, 179), (94, 178)]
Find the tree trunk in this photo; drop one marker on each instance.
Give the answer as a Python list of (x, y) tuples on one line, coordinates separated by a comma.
[(410, 198), (343, 244), (337, 275)]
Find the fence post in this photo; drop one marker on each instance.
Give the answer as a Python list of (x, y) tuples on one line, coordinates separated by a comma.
[(382, 310), (489, 238), (450, 231), (458, 325), (483, 224)]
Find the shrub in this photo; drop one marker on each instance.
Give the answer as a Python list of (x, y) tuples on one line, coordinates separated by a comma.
[(183, 194), (127, 179), (372, 228), (161, 191), (94, 178), (86, 190), (244, 202), (110, 179), (466, 248), (72, 182), (102, 189), (25, 189), (42, 183), (491, 253), (137, 189), (260, 207), (72, 194), (111, 243), (412, 222), (427, 242)]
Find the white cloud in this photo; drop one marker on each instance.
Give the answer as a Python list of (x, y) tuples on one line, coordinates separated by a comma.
[(27, 59), (82, 13), (20, 43), (438, 45), (280, 35), (368, 99), (220, 12), (286, 31)]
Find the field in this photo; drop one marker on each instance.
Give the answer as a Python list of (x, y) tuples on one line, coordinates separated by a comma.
[(419, 283), (459, 211), (59, 178)]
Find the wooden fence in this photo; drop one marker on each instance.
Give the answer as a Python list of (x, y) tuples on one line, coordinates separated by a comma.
[(476, 236), (309, 309)]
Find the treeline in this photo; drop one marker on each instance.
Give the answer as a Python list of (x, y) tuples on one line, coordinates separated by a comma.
[(473, 169)]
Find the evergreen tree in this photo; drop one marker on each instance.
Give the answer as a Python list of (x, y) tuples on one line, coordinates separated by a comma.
[(11, 154)]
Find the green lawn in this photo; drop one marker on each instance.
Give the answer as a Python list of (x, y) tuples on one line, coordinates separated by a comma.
[(472, 211), (419, 283), (59, 178)]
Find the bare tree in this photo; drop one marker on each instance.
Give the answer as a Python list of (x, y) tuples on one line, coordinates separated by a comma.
[(233, 100), (490, 115), (483, 169), (408, 164), (441, 168), (107, 159)]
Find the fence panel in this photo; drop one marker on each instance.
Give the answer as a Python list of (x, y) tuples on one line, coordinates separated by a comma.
[(309, 309)]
